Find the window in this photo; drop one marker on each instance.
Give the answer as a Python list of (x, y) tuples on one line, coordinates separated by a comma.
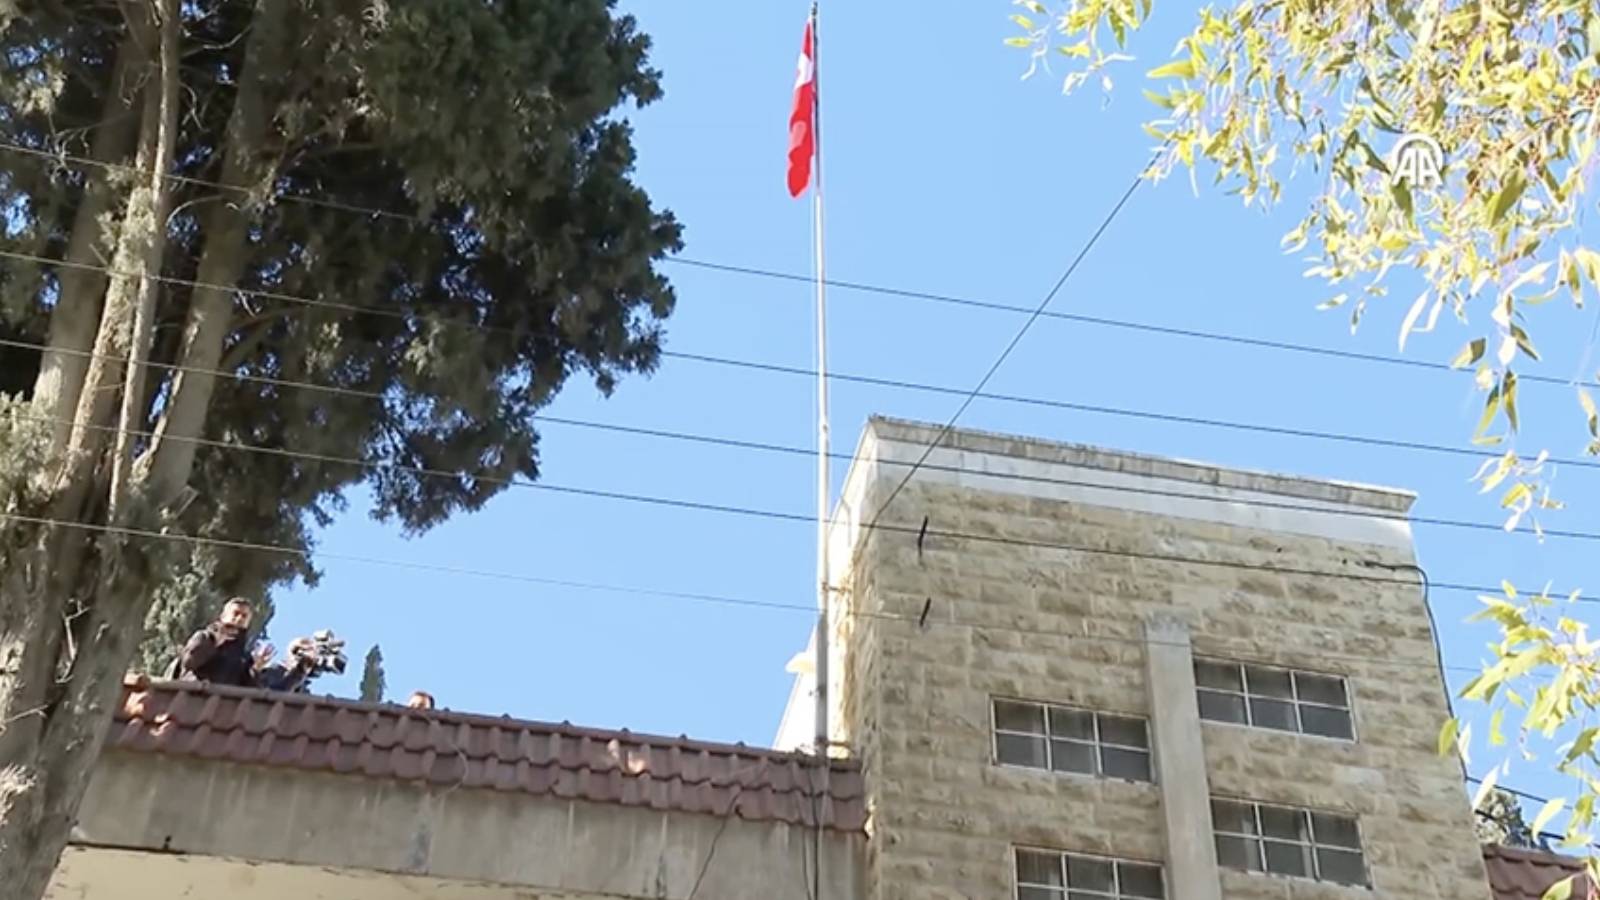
[(1048, 875), (1279, 699), (1040, 736), (1287, 841)]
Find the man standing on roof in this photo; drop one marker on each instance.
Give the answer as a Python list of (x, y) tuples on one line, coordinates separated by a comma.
[(220, 652)]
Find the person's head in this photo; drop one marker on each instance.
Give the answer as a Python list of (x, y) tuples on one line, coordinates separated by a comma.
[(420, 700), (235, 615)]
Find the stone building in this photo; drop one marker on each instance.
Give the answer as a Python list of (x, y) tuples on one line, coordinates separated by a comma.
[(1057, 673), (1068, 671)]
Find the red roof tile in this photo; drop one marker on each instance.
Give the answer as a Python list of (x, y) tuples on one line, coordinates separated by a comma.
[(469, 751), (1516, 874)]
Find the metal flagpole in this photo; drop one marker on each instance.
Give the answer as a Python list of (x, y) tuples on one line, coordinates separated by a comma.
[(824, 576), (823, 487)]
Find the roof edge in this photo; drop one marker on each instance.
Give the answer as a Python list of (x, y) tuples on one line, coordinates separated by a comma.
[(1037, 449), (143, 682)]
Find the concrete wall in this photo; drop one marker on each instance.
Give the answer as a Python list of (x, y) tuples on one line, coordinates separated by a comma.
[(352, 825), (1067, 627)]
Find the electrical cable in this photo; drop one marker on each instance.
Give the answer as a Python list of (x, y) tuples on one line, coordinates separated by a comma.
[(761, 446), (1168, 418), (1016, 339), (882, 290), (1098, 321), (752, 512), (1243, 654)]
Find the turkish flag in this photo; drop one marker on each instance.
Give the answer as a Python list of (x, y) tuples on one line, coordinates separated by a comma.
[(803, 119)]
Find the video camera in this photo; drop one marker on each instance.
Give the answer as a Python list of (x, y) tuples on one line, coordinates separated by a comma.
[(322, 652)]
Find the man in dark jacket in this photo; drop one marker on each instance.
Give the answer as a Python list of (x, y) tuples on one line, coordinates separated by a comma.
[(220, 652)]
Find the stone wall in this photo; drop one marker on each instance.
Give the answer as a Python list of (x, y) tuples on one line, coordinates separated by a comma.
[(1008, 618)]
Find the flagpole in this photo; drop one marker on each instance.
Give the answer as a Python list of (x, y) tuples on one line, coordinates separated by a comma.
[(824, 576), (823, 484)]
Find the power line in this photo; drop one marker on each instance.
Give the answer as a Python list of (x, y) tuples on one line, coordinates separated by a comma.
[(1097, 321), (1513, 791), (1546, 835), (862, 287), (1121, 412), (767, 447), (752, 512), (63, 157), (1015, 340), (1170, 418), (1244, 654)]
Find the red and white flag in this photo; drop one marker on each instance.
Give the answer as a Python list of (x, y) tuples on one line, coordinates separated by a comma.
[(803, 118)]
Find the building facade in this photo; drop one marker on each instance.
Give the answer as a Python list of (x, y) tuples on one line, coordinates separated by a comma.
[(1056, 673), (1076, 673)]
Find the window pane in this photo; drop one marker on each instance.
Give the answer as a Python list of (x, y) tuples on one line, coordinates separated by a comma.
[(1320, 689), (1133, 765), (1343, 866), (1239, 853), (1326, 722), (1071, 723), (1127, 732), (1034, 867), (1085, 874), (1222, 707), (1038, 893), (1020, 751), (1277, 714), (1084, 895), (1068, 756), (1268, 682), (1288, 859), (1336, 830), (1009, 716), (1217, 675), (1140, 881), (1239, 818), (1289, 824)]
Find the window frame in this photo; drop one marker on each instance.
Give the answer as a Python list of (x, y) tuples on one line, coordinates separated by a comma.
[(1097, 743), (1294, 700), (1066, 890), (1306, 820)]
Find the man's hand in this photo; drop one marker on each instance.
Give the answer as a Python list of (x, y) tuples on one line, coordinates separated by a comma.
[(263, 656)]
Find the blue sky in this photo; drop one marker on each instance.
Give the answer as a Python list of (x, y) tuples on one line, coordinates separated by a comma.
[(945, 173)]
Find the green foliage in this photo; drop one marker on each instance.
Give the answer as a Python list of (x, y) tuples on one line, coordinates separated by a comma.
[(1268, 88), (1543, 642), (372, 680), (520, 253)]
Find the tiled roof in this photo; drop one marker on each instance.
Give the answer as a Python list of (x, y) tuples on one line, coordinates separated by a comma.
[(469, 751), (1516, 874)]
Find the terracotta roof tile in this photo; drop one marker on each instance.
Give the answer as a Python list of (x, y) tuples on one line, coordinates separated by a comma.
[(1516, 874), (456, 749)]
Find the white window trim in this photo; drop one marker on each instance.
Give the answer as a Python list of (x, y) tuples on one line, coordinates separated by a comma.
[(1311, 844), (1116, 873), (995, 731), (1245, 694)]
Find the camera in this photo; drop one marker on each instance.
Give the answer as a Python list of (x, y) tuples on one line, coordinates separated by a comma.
[(322, 652)]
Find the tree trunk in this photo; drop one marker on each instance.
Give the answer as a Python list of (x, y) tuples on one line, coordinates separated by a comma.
[(170, 457), (50, 758), (72, 598), (131, 417), (76, 317)]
